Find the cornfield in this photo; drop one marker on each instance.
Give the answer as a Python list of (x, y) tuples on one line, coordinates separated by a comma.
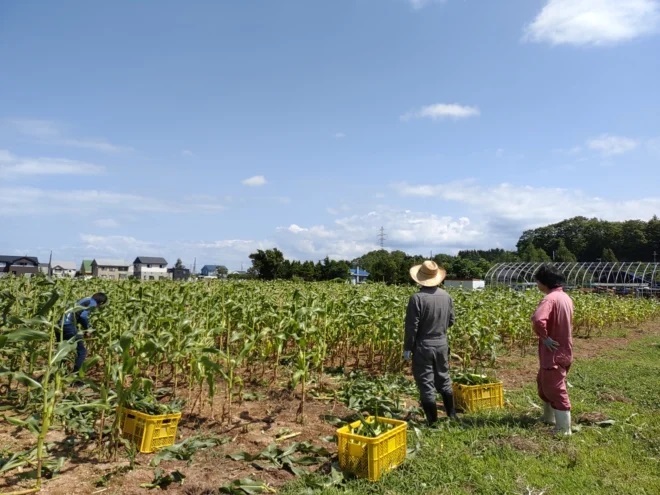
[(200, 341)]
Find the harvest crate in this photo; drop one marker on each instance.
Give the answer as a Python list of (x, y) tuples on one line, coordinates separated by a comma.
[(372, 457), (475, 397), (148, 432)]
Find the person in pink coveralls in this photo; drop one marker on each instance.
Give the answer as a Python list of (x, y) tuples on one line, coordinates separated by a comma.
[(552, 322)]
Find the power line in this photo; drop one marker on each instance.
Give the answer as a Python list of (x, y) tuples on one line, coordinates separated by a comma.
[(382, 236)]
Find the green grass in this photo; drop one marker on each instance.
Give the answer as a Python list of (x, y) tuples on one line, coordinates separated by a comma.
[(510, 452)]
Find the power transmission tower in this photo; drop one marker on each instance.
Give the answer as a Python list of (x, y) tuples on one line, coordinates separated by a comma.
[(382, 236)]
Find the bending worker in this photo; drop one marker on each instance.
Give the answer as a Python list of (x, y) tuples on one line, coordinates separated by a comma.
[(79, 315), (429, 314)]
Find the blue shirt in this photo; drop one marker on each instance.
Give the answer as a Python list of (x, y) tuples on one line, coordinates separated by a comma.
[(75, 315)]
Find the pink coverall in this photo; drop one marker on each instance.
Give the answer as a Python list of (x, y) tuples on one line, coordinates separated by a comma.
[(553, 318)]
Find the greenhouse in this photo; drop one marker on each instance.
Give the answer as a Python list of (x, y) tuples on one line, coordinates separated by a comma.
[(638, 277)]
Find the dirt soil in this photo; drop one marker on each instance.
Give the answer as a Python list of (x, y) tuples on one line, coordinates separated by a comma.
[(255, 425)]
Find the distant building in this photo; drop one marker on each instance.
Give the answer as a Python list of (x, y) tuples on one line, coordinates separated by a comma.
[(150, 268), (209, 270), (44, 268), (467, 284), (178, 273), (19, 265), (358, 275), (85, 268), (63, 269), (110, 269)]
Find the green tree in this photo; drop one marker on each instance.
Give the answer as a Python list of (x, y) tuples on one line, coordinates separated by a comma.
[(529, 252), (608, 255), (563, 254), (267, 265), (305, 271)]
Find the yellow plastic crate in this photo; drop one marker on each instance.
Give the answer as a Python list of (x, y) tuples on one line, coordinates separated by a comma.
[(148, 432), (475, 397), (372, 457)]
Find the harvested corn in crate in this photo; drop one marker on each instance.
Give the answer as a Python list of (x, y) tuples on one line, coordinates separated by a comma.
[(473, 392), (370, 447)]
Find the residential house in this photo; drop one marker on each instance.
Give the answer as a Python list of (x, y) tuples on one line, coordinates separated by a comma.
[(110, 269), (85, 268), (150, 268), (63, 269), (209, 270), (468, 284), (358, 275), (178, 273), (44, 268), (19, 265)]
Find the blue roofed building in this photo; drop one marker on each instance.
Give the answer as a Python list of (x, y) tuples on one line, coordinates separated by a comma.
[(209, 270), (358, 275)]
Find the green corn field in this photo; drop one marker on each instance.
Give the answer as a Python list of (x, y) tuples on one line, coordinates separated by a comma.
[(203, 343)]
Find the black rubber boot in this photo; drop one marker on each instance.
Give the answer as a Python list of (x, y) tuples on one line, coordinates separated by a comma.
[(431, 412), (448, 402)]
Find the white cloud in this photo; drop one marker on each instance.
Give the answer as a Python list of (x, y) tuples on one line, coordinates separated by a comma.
[(441, 111), (612, 145), (12, 166), (257, 180), (187, 154), (317, 231), (490, 216), (6, 156), (522, 206), (106, 223), (126, 247), (593, 22), (420, 4), (50, 132), (34, 201), (340, 135)]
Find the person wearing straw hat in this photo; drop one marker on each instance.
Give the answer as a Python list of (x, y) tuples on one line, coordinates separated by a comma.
[(429, 314)]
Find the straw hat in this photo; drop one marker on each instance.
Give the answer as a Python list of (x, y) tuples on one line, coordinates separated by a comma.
[(428, 274)]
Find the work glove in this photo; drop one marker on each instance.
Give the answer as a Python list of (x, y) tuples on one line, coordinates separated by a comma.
[(552, 345), (407, 355)]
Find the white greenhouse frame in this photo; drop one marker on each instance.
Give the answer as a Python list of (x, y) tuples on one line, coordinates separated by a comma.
[(640, 276)]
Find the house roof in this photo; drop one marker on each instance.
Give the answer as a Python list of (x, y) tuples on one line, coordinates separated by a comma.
[(11, 259), (150, 260), (64, 265), (210, 267), (104, 262), (360, 272)]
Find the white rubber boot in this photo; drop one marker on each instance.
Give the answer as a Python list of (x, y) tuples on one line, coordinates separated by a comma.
[(563, 422), (548, 414)]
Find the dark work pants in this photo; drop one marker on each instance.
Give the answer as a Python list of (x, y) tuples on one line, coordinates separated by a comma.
[(430, 366), (71, 332)]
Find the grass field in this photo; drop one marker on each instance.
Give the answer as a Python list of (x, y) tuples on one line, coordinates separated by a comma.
[(509, 452)]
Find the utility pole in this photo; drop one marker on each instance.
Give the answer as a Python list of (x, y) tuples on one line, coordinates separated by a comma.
[(382, 236)]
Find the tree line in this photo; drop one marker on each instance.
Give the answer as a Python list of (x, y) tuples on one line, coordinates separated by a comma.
[(575, 239)]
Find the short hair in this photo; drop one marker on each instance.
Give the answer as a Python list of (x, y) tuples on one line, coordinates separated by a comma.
[(100, 298), (549, 276)]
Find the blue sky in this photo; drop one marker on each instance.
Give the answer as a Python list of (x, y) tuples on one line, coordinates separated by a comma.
[(209, 130)]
